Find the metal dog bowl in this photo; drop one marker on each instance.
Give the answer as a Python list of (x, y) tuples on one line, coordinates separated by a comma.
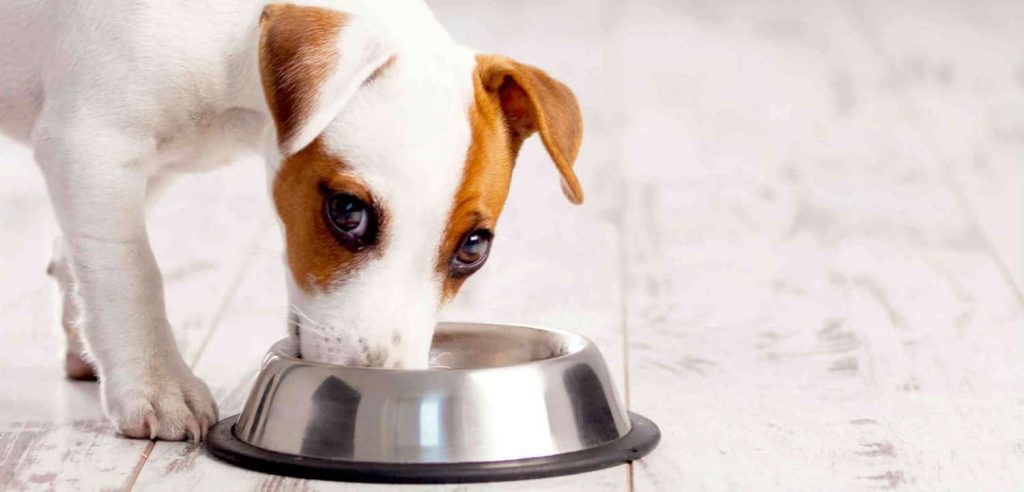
[(504, 403)]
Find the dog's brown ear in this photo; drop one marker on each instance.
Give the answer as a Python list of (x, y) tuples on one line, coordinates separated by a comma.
[(312, 60), (533, 101)]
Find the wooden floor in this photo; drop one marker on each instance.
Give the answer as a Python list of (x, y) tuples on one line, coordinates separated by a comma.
[(802, 253)]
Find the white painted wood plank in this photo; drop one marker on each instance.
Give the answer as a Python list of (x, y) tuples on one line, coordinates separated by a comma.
[(800, 275), (960, 70)]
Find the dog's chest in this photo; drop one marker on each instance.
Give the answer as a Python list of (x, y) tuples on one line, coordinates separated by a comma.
[(210, 139)]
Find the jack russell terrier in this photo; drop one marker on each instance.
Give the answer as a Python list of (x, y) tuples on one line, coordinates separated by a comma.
[(389, 150)]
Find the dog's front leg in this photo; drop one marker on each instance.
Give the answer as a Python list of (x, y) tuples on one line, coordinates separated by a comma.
[(97, 183)]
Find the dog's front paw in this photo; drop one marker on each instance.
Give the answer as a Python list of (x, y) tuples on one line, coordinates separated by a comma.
[(160, 401)]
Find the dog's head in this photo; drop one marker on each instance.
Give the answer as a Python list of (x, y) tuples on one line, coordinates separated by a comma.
[(395, 165)]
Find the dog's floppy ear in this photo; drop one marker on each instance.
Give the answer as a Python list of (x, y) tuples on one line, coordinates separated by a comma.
[(312, 60), (533, 101)]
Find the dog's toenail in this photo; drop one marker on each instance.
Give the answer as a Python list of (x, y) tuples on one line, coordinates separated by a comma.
[(152, 424)]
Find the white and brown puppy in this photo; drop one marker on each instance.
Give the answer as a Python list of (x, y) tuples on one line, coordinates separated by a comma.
[(389, 150)]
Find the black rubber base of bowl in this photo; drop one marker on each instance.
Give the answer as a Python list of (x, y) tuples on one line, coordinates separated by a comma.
[(222, 443)]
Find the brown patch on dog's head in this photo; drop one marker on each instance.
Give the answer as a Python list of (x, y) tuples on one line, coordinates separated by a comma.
[(511, 102), (308, 74), (297, 53), (485, 181), (315, 258)]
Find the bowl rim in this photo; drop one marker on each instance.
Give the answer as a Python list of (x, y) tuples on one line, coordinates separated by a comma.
[(642, 437), (280, 350)]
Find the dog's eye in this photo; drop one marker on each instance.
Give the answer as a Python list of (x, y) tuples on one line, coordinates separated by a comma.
[(350, 219), (472, 252)]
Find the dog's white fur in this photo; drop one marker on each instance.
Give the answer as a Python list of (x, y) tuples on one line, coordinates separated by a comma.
[(115, 95)]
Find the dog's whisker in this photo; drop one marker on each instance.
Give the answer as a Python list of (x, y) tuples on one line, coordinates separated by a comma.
[(322, 331), (295, 309), (438, 357)]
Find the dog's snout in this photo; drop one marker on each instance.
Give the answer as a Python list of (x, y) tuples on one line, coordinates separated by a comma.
[(375, 355), (342, 348)]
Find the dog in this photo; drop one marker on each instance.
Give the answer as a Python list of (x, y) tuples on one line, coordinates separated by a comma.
[(389, 149)]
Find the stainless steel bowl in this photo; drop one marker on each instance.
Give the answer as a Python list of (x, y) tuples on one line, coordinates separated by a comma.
[(499, 402)]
